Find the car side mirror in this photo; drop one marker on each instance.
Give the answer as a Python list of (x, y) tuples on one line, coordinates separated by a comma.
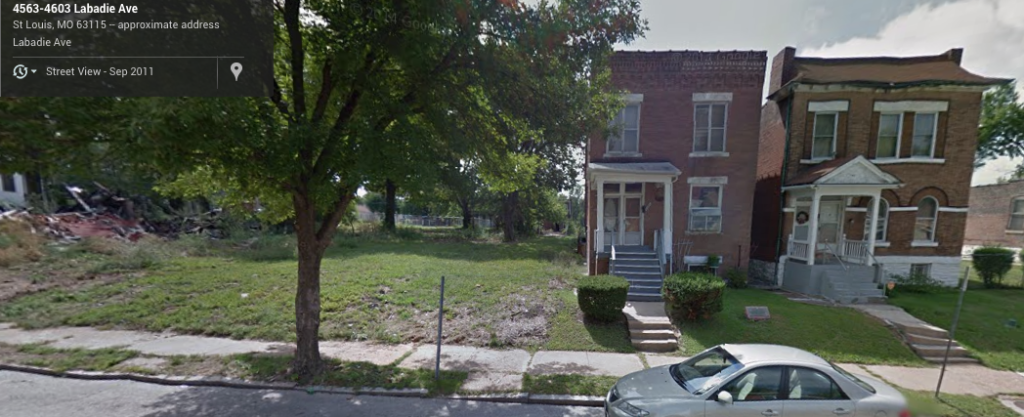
[(724, 397)]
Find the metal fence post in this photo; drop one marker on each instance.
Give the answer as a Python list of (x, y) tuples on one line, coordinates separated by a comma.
[(440, 322), (952, 329)]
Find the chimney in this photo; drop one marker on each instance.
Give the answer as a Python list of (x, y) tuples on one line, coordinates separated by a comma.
[(783, 68), (955, 55)]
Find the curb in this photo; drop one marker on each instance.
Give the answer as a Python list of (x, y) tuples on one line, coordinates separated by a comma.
[(214, 381), (223, 382)]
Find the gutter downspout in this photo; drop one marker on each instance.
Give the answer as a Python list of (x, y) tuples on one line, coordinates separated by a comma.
[(782, 183)]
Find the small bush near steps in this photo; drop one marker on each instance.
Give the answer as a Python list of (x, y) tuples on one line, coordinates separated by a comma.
[(691, 296), (602, 297), (992, 264)]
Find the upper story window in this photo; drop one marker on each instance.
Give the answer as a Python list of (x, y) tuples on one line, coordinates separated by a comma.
[(709, 127), (890, 127), (924, 135), (924, 227), (825, 127), (1016, 214), (625, 136)]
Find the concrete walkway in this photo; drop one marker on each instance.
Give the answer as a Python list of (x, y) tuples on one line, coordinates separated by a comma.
[(489, 369)]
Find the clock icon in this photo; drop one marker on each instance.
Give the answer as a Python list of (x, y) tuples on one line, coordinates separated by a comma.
[(20, 71)]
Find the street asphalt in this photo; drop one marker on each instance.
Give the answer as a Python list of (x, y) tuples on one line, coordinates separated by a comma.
[(28, 395)]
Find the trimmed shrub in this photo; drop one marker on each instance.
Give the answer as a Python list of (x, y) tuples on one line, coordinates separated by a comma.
[(737, 278), (992, 264), (916, 283), (691, 296), (602, 297)]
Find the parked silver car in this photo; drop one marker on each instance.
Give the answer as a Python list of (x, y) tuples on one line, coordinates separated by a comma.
[(755, 381)]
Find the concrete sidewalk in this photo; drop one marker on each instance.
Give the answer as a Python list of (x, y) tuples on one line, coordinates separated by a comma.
[(489, 369)]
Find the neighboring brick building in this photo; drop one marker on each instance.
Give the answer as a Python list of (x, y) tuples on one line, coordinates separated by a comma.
[(689, 129), (996, 215), (848, 140)]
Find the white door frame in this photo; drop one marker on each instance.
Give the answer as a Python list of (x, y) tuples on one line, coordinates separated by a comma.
[(621, 196), (827, 205)]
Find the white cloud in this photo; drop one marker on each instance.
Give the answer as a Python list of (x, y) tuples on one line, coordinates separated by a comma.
[(990, 31)]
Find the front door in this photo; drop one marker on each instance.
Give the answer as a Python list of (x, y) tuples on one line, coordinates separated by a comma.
[(812, 393), (755, 394), (829, 224), (633, 222), (611, 221)]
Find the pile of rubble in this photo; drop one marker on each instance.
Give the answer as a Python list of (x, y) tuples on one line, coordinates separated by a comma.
[(104, 214)]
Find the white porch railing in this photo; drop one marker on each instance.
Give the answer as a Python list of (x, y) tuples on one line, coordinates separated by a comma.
[(659, 249), (854, 250), (799, 250)]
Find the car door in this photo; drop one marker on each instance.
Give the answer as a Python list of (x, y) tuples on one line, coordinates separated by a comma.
[(755, 393), (812, 393)]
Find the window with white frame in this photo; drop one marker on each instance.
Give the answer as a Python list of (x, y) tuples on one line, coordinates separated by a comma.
[(709, 127), (7, 183), (625, 137), (889, 127), (927, 213), (824, 145), (883, 221), (924, 135), (705, 208), (921, 270), (1016, 214)]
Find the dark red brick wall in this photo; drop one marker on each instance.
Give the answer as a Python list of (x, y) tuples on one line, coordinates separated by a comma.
[(948, 182), (668, 81), (989, 215), (767, 194)]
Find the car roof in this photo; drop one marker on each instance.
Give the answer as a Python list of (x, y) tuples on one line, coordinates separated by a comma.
[(750, 353)]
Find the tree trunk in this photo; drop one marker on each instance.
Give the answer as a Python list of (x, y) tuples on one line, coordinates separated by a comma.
[(467, 215), (509, 215), (389, 205), (307, 295)]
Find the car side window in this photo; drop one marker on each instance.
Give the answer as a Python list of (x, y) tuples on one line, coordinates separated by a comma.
[(808, 384), (761, 384)]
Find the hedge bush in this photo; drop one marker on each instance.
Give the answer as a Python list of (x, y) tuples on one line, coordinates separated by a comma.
[(992, 264), (918, 284), (692, 296), (737, 278), (602, 297)]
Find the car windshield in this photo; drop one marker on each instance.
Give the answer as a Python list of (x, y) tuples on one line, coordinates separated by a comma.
[(853, 378), (705, 371)]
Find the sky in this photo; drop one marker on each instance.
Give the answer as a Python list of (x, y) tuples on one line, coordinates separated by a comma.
[(990, 31)]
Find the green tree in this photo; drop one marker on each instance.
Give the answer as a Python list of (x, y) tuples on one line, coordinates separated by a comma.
[(474, 72), (1002, 125)]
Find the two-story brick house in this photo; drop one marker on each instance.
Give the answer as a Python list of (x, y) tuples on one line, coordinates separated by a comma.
[(673, 183), (864, 171)]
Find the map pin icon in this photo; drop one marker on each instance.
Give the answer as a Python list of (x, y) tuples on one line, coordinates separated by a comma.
[(236, 68)]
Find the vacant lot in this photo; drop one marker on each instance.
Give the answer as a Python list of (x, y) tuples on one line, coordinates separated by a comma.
[(991, 323), (377, 287), (838, 334)]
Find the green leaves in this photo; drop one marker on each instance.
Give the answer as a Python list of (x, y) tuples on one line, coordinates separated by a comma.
[(1002, 125)]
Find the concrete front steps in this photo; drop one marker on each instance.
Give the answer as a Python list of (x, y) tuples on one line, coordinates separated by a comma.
[(929, 342), (650, 329), (640, 266), (853, 285)]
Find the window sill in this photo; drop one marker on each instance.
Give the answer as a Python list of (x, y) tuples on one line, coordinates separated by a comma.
[(920, 244), (623, 154), (814, 161), (703, 232), (1014, 232), (879, 244), (886, 161), (709, 154)]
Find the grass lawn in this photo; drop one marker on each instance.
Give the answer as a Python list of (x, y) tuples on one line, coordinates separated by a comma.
[(983, 326), (572, 384), (925, 404), (838, 334), (373, 287)]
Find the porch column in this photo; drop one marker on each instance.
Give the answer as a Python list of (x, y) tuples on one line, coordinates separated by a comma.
[(599, 230), (666, 223), (813, 238), (875, 199)]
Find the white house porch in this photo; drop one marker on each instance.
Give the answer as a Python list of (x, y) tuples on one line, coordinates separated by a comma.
[(818, 200), (622, 205)]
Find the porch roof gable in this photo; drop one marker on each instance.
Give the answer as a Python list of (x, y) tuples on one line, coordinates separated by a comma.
[(855, 170)]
